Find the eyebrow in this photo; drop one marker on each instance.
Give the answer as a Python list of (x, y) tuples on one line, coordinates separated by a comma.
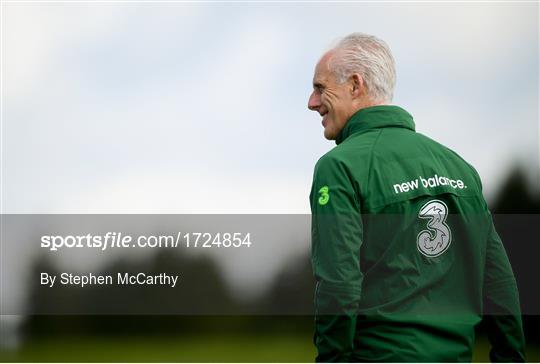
[(317, 84)]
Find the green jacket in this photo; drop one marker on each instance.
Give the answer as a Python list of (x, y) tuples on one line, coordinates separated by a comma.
[(404, 252)]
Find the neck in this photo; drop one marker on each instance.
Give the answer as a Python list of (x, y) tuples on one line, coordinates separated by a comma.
[(366, 102)]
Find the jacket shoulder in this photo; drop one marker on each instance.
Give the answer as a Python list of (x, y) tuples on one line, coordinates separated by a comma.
[(406, 165), (355, 148), (347, 164), (457, 156)]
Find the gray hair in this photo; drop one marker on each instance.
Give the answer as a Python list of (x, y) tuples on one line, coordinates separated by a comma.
[(371, 58)]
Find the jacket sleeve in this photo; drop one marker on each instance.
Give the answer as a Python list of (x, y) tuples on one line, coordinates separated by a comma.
[(336, 238), (501, 304)]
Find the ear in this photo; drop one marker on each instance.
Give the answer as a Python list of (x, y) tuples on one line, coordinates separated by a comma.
[(357, 83)]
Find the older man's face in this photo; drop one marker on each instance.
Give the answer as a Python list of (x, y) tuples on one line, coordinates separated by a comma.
[(331, 100)]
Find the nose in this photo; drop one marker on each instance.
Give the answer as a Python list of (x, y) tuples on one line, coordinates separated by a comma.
[(314, 101)]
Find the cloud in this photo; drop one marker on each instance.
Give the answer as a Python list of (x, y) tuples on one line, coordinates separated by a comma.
[(178, 91), (189, 192)]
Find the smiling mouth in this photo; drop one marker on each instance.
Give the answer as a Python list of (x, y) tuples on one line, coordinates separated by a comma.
[(324, 119)]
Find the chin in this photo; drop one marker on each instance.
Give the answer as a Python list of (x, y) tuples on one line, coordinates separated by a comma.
[(329, 135)]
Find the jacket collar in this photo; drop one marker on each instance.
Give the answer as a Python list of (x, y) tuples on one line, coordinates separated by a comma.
[(380, 116)]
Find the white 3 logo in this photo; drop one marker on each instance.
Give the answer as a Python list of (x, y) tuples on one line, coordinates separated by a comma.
[(436, 240)]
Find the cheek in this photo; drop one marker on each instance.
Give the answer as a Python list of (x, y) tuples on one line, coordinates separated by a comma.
[(329, 100)]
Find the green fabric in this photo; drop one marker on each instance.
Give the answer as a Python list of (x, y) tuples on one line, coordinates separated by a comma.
[(404, 251)]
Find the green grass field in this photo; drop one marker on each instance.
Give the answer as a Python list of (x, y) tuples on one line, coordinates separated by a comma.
[(237, 348), (181, 349)]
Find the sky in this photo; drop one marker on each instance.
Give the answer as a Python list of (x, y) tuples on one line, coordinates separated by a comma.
[(185, 108), (202, 107)]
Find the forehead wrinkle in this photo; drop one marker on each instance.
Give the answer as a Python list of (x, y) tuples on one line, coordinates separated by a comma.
[(323, 72)]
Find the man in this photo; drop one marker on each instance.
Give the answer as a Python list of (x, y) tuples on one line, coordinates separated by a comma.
[(403, 246)]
